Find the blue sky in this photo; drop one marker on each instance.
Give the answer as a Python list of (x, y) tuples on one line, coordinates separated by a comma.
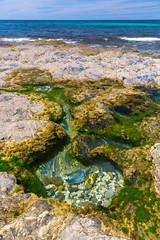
[(79, 9)]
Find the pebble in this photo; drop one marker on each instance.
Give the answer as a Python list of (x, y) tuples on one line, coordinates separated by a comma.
[(104, 188)]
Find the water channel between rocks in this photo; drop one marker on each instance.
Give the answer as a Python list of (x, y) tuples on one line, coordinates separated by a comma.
[(75, 183)]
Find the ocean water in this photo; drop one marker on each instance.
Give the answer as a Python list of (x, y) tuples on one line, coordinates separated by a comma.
[(144, 35)]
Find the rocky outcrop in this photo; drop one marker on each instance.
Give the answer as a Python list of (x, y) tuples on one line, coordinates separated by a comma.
[(155, 152), (15, 117), (76, 62), (84, 228), (93, 114), (25, 217)]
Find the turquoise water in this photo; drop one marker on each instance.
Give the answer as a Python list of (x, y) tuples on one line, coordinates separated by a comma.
[(144, 34)]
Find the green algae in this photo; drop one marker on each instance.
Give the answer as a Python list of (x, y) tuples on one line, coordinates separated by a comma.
[(134, 210)]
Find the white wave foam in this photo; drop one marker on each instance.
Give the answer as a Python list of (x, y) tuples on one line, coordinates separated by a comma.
[(106, 39), (141, 39), (15, 39), (66, 40), (25, 39)]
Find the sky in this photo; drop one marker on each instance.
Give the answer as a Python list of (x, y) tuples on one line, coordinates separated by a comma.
[(79, 9)]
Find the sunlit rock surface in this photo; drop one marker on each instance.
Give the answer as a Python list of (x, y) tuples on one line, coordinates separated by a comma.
[(155, 152), (24, 216), (76, 62), (15, 117)]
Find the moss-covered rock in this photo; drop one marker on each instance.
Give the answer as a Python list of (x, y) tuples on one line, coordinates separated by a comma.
[(82, 145), (35, 148), (56, 181), (90, 180), (93, 115), (29, 76)]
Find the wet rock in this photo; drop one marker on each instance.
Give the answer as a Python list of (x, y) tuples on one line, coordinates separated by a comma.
[(7, 182), (83, 144), (109, 194), (94, 200), (155, 152), (45, 88), (60, 188), (56, 181), (31, 76), (84, 204), (81, 95), (76, 177), (51, 186), (72, 188), (60, 196), (45, 180), (132, 103), (95, 114), (90, 180), (105, 203)]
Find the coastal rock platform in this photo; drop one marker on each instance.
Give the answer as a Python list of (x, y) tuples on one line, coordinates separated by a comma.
[(66, 61), (77, 129)]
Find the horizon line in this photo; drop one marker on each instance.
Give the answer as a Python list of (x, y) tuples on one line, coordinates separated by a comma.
[(79, 19)]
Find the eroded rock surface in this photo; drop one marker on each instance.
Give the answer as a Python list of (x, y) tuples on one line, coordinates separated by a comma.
[(75, 62), (85, 228), (15, 117), (26, 217), (156, 165), (7, 181)]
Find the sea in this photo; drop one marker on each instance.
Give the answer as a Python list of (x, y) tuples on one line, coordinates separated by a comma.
[(141, 34)]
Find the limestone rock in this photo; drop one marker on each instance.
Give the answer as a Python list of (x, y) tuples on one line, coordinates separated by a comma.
[(66, 61), (16, 107), (7, 181), (84, 228), (19, 131), (155, 152), (15, 115), (26, 217)]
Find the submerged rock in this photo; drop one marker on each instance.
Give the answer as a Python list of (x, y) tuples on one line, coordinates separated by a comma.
[(60, 196), (45, 88), (90, 180), (56, 181), (76, 177), (45, 180), (72, 188), (83, 144)]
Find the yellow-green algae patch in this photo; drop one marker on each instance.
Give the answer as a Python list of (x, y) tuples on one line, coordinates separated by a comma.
[(29, 76)]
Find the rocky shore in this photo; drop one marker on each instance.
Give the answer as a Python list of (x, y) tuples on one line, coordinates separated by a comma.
[(79, 143), (66, 61), (24, 216)]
